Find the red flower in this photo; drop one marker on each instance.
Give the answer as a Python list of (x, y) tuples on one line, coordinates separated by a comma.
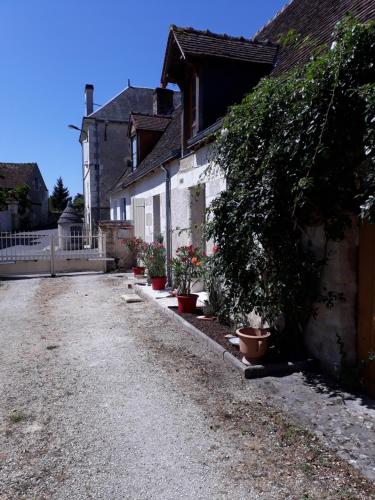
[(215, 249)]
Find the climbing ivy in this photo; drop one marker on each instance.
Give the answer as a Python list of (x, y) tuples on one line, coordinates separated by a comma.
[(299, 151)]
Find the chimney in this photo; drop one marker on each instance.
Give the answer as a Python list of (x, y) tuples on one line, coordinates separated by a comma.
[(89, 99), (163, 101)]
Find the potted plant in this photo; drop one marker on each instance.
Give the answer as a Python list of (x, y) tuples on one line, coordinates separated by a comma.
[(253, 343), (137, 247), (187, 269), (155, 262)]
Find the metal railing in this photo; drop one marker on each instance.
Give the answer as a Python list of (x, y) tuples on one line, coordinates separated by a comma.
[(32, 246), (25, 246)]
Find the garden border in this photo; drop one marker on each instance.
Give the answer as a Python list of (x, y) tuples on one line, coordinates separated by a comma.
[(247, 372)]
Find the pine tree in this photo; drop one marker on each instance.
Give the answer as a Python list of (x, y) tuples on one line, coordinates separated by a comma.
[(60, 196)]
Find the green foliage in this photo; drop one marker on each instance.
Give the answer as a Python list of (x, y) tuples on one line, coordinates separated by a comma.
[(19, 193), (297, 152), (79, 203), (138, 248), (188, 267), (60, 196), (213, 287), (155, 258)]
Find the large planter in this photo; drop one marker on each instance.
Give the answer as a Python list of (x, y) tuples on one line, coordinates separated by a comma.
[(187, 303), (159, 283), (138, 271), (253, 343)]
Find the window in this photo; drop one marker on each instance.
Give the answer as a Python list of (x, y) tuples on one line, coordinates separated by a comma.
[(134, 151)]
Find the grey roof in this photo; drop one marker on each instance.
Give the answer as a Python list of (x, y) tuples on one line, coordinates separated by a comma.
[(136, 99), (167, 148), (15, 174), (70, 216), (190, 42), (196, 42)]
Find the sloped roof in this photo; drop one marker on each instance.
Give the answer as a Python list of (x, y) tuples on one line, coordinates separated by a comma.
[(14, 174), (314, 19), (137, 99), (195, 43), (155, 123), (70, 216), (167, 148)]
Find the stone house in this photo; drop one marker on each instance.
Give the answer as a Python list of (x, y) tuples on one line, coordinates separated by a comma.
[(105, 146), (14, 217), (169, 189)]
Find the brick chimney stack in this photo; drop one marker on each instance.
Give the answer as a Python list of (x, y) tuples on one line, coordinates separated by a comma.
[(89, 99)]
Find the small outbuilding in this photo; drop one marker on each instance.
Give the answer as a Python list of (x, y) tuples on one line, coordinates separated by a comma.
[(70, 229)]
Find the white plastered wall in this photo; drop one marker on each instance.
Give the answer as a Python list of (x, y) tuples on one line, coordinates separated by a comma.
[(186, 174)]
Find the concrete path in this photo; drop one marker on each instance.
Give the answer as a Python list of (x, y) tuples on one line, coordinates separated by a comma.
[(106, 400)]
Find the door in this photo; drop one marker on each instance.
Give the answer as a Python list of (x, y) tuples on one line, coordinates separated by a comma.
[(366, 305), (139, 217)]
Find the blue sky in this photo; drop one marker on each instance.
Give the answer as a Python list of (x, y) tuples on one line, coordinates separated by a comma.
[(49, 49)]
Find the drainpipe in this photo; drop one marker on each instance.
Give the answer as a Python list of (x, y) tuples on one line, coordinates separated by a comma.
[(168, 223)]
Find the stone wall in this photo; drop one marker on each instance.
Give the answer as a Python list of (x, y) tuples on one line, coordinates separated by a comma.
[(341, 276), (117, 232)]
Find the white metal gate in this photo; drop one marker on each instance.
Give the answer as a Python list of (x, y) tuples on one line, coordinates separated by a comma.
[(48, 252)]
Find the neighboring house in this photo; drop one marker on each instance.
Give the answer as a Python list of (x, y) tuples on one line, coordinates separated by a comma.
[(106, 146), (14, 175), (169, 190)]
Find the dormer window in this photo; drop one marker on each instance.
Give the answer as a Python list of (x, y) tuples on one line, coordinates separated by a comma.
[(144, 131), (214, 72), (134, 152)]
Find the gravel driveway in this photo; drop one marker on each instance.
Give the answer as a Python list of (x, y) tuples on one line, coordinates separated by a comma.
[(106, 400)]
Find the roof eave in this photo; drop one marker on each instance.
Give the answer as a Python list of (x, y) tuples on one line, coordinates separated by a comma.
[(170, 158), (165, 79)]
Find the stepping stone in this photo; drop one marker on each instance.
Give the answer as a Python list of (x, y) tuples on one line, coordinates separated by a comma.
[(131, 298)]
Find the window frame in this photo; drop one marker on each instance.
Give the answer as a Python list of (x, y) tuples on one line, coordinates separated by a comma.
[(134, 151)]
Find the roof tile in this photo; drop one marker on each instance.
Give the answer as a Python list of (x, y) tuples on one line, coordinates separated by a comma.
[(204, 43)]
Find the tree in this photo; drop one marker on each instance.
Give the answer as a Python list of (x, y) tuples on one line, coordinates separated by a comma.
[(60, 196), (79, 202)]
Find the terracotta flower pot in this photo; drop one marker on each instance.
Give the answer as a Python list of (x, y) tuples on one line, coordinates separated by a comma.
[(159, 283), (138, 271), (253, 343), (187, 303)]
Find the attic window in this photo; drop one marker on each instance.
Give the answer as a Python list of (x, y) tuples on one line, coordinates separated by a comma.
[(134, 152)]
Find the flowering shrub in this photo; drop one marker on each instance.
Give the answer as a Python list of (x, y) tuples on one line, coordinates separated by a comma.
[(188, 267), (155, 259), (138, 248)]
